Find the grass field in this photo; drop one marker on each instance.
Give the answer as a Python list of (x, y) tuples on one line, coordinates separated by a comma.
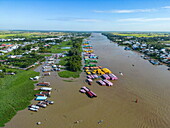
[(16, 93), (68, 74), (141, 35), (166, 42), (9, 34), (57, 48), (63, 61)]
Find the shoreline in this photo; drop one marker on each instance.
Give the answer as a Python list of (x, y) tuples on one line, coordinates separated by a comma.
[(114, 105)]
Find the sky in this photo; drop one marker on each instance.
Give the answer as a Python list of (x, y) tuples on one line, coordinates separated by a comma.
[(85, 15)]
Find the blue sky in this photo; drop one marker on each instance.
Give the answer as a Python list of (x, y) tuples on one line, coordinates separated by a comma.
[(86, 15)]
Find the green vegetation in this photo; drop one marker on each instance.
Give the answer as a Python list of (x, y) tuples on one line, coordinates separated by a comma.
[(58, 48), (63, 61), (16, 93), (26, 60), (166, 42), (74, 60), (142, 34), (68, 74), (46, 55), (24, 34)]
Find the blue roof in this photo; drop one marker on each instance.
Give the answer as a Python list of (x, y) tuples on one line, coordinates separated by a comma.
[(41, 98)]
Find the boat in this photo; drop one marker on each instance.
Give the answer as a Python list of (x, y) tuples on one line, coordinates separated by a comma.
[(154, 62), (89, 76), (33, 109), (45, 89), (106, 70), (40, 95), (113, 77), (94, 95), (101, 82), (89, 94), (41, 98), (105, 76), (43, 102), (45, 93), (95, 76), (82, 91), (92, 76), (85, 88), (41, 105), (108, 83), (89, 81), (34, 106), (44, 84), (49, 101), (127, 48)]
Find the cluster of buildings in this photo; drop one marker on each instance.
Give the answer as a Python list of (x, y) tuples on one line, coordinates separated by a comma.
[(163, 54), (5, 48), (13, 39)]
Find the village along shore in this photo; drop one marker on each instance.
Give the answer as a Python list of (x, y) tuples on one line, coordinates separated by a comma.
[(114, 106)]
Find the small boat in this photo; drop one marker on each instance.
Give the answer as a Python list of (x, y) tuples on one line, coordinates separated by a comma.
[(89, 76), (92, 76), (94, 95), (127, 48), (44, 84), (85, 88), (40, 95), (46, 89), (101, 82), (108, 83), (89, 94), (43, 102), (34, 106), (45, 93), (105, 76), (40, 98), (49, 102), (89, 81), (154, 62), (113, 77), (33, 109), (42, 105), (95, 76), (82, 91)]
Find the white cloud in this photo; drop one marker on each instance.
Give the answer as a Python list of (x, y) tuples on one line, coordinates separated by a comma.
[(144, 19), (125, 11), (166, 7), (87, 20)]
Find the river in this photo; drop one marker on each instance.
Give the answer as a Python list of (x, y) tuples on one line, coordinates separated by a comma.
[(115, 105)]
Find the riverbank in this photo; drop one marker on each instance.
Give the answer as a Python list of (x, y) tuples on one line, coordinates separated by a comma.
[(16, 93), (114, 105)]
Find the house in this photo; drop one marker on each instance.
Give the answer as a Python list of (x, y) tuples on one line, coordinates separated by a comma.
[(163, 50), (1, 54), (135, 46), (127, 42), (34, 49)]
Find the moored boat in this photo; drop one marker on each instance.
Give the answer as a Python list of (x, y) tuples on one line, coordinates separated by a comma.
[(101, 82), (108, 83)]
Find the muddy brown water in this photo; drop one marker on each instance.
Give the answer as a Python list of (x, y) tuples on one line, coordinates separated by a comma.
[(115, 105)]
